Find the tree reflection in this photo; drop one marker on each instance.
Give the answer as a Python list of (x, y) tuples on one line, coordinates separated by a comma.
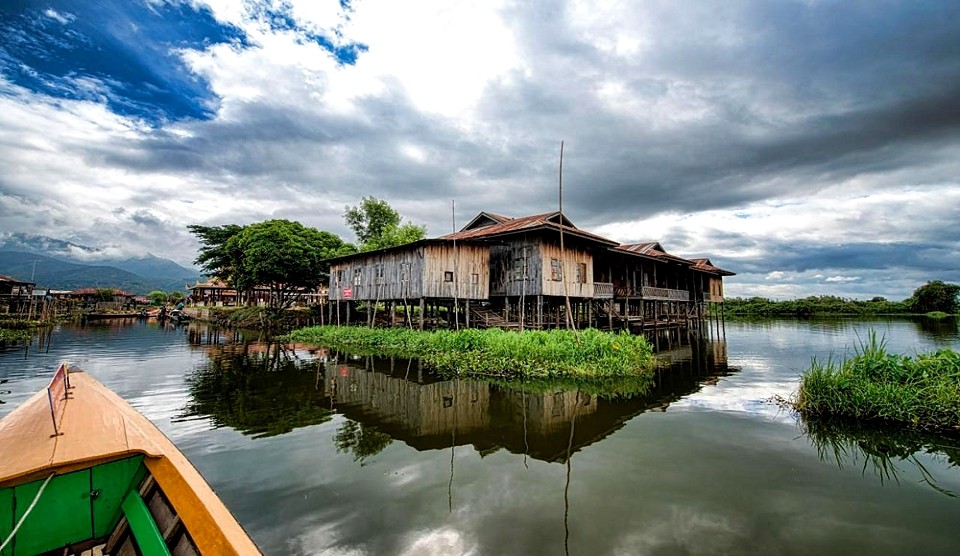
[(880, 448), (360, 440), (259, 389)]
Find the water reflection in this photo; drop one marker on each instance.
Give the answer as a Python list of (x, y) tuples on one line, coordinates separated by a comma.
[(879, 449), (939, 330), (260, 388), (263, 388)]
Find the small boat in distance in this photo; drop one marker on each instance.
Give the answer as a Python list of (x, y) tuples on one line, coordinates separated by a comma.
[(83, 472)]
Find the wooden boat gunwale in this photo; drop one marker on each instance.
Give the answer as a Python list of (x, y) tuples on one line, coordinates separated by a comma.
[(97, 427)]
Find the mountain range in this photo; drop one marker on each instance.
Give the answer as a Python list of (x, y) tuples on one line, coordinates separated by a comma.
[(61, 265)]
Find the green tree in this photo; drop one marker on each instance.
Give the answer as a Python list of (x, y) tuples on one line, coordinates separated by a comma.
[(286, 256), (157, 297), (378, 225), (214, 258), (361, 441), (935, 296), (175, 296)]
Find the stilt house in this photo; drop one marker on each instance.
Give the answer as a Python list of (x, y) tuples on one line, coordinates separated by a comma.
[(520, 273)]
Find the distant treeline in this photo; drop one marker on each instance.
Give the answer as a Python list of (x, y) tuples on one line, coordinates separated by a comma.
[(815, 305), (933, 297)]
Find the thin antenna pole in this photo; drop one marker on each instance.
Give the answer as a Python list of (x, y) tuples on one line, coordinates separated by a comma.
[(563, 260), (456, 271)]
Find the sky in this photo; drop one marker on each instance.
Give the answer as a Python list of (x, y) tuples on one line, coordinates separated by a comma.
[(812, 147)]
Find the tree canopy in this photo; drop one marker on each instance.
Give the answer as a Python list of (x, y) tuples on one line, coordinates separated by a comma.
[(213, 258), (936, 296), (378, 225), (283, 255), (286, 256)]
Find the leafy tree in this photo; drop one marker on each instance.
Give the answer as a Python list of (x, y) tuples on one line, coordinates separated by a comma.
[(935, 296), (157, 297), (175, 296), (362, 441), (286, 256), (378, 225), (214, 258)]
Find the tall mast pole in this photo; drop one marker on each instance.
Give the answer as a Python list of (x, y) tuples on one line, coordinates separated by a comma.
[(456, 271), (563, 260)]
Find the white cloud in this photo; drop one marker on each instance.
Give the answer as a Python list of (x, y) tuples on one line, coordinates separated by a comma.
[(841, 279)]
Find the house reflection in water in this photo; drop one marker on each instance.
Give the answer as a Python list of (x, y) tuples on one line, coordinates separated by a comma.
[(396, 398)]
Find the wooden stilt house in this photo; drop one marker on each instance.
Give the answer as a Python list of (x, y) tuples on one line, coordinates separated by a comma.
[(435, 278), (527, 272)]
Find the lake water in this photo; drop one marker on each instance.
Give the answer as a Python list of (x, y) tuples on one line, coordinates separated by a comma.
[(316, 452)]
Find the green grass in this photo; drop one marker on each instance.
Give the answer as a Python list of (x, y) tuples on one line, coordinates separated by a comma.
[(921, 391), (495, 352)]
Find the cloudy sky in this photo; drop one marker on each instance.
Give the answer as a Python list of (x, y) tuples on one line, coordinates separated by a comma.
[(810, 146)]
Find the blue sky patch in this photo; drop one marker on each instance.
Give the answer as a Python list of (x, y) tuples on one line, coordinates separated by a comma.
[(119, 52)]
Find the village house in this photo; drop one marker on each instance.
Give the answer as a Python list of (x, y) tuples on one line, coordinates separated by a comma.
[(529, 272), (15, 294), (216, 293)]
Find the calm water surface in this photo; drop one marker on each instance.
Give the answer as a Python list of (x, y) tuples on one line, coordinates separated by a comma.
[(318, 452)]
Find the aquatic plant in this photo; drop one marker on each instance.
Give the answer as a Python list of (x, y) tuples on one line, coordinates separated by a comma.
[(921, 391), (495, 352)]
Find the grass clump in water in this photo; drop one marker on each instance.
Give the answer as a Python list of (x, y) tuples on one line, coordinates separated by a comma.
[(495, 352), (922, 391)]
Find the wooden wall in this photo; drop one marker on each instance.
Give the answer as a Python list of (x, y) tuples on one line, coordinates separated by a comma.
[(572, 257), (533, 257), (419, 271), (469, 266), (510, 262)]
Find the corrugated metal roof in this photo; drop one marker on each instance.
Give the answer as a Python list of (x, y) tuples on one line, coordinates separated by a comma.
[(706, 266), (524, 224), (5, 278), (652, 249)]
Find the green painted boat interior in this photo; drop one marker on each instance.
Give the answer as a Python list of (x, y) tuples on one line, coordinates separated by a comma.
[(74, 507)]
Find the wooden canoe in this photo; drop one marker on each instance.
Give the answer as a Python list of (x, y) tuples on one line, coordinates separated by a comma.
[(93, 475)]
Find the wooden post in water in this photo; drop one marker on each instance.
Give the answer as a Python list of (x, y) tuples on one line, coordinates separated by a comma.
[(563, 261)]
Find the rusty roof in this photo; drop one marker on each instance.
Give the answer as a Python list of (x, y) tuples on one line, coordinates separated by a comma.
[(5, 278), (652, 249), (530, 223), (705, 265)]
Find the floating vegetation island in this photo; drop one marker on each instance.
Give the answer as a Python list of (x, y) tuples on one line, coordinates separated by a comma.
[(921, 391), (589, 354)]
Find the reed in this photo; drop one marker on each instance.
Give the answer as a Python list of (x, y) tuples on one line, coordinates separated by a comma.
[(495, 352), (921, 391)]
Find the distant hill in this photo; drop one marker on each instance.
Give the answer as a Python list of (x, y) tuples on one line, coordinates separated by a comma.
[(67, 265), (51, 273)]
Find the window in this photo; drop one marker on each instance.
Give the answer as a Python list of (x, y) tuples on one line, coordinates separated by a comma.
[(556, 270), (340, 275), (448, 276), (582, 273), (474, 278), (357, 276), (379, 273), (404, 272)]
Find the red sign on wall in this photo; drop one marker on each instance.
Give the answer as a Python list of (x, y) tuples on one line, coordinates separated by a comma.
[(347, 292)]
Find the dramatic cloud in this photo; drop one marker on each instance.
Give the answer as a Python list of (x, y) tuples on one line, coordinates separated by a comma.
[(812, 147)]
